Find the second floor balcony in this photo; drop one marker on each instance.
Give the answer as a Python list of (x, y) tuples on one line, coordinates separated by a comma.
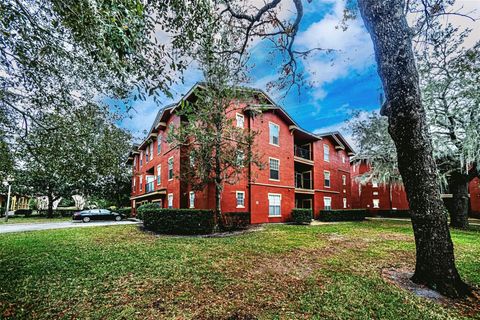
[(303, 180)]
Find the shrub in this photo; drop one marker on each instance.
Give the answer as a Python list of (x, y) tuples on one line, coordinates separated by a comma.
[(235, 220), (127, 211), (25, 212), (342, 215), (178, 221), (146, 206), (302, 216), (390, 213)]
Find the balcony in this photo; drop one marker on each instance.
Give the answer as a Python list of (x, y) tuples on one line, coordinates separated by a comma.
[(303, 182), (150, 187), (303, 154)]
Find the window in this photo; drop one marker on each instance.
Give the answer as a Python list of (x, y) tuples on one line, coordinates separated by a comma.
[(240, 120), (326, 179), (375, 183), (274, 130), (375, 193), (326, 152), (147, 154), (343, 158), (274, 169), (159, 174), (151, 151), (274, 201), (141, 158), (141, 182), (344, 180), (376, 203), (327, 203), (344, 203), (240, 158), (134, 162), (170, 168), (170, 200), (192, 199), (240, 199), (159, 145)]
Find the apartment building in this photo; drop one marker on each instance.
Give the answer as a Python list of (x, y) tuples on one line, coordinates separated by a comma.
[(302, 169)]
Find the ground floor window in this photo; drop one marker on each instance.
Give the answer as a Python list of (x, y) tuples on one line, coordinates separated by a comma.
[(240, 199), (192, 199), (327, 203), (376, 203), (170, 200), (344, 203), (274, 201)]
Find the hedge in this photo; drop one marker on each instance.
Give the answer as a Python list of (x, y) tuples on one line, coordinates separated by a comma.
[(342, 215), (302, 216), (390, 213), (177, 221), (145, 207), (235, 220), (127, 212)]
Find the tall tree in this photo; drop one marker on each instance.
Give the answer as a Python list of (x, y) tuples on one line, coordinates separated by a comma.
[(219, 152), (451, 94), (78, 156)]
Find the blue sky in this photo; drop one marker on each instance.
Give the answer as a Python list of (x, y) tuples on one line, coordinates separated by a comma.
[(342, 82)]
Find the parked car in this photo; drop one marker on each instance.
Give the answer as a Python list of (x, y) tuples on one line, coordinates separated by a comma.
[(97, 214)]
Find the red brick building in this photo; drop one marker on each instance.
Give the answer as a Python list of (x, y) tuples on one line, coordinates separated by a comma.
[(302, 169), (375, 196)]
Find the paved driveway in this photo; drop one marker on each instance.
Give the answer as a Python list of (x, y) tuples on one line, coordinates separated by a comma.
[(21, 227)]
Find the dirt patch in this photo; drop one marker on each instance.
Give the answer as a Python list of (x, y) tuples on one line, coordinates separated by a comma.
[(401, 277)]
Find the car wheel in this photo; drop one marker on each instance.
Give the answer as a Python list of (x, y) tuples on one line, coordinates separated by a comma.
[(118, 218), (86, 219)]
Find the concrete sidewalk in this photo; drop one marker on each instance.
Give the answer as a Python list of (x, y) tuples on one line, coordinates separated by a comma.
[(23, 227)]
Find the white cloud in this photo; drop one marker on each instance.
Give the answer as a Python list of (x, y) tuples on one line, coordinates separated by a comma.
[(353, 49)]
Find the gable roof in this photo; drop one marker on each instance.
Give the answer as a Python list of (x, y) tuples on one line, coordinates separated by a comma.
[(164, 112)]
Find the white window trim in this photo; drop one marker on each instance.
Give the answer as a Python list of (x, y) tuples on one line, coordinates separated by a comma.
[(324, 153), (236, 198), (240, 163), (170, 195), (159, 175), (141, 183), (159, 145), (270, 158), (168, 166), (344, 180), (190, 199), (374, 183), (270, 142), (329, 179), (378, 203), (274, 194), (345, 204), (237, 115), (330, 199)]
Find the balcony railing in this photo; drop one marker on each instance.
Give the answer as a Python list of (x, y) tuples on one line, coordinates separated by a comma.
[(302, 152), (302, 182), (150, 187)]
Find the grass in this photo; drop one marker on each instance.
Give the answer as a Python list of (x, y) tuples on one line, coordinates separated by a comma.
[(282, 272), (32, 219)]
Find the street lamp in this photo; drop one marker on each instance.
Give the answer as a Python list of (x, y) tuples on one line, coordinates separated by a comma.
[(8, 182)]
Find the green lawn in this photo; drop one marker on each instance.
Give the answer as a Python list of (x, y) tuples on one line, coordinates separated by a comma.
[(33, 219), (282, 272)]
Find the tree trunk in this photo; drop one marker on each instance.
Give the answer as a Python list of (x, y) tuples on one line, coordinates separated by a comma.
[(458, 184), (50, 206), (391, 36)]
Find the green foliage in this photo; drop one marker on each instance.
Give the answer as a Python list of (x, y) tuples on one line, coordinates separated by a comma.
[(127, 212), (342, 215), (302, 216), (146, 207), (32, 204), (235, 220), (390, 213), (66, 202), (178, 221)]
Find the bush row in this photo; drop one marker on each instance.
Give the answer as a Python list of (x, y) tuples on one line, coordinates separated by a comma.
[(177, 221), (342, 215), (390, 213), (302, 216), (235, 221)]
